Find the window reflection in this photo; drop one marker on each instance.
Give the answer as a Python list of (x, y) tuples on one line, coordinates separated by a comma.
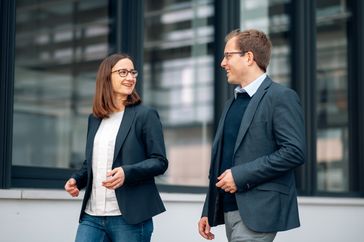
[(178, 81), (332, 91), (58, 48), (272, 17)]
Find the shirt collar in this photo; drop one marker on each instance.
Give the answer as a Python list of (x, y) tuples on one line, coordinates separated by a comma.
[(252, 88)]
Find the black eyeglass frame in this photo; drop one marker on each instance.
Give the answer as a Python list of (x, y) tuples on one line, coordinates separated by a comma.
[(227, 55), (134, 73)]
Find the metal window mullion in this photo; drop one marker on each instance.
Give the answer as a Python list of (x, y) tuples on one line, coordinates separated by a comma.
[(7, 25), (303, 76)]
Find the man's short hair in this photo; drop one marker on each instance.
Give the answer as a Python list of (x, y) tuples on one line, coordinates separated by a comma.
[(255, 41)]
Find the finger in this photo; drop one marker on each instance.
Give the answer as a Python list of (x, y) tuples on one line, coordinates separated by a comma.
[(118, 182), (208, 233), (72, 189), (74, 193), (222, 175), (201, 227), (109, 180), (113, 185), (113, 171), (72, 182), (211, 236), (220, 183), (201, 230), (110, 173), (224, 186), (207, 228), (69, 188), (234, 189), (66, 186), (203, 234)]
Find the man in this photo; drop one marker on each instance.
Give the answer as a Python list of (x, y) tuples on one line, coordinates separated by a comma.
[(259, 142)]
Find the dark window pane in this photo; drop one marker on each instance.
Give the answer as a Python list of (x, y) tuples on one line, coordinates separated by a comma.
[(273, 18), (178, 81), (59, 45), (332, 96)]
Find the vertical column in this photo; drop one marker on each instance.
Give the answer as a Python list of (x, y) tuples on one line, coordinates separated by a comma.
[(303, 81), (356, 97), (127, 32), (7, 40), (227, 18)]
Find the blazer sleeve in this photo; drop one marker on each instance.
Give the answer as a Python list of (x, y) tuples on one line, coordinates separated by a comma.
[(156, 162), (81, 175), (289, 133), (206, 205)]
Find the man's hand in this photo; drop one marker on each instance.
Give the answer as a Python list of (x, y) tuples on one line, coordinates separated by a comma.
[(226, 182), (114, 178), (71, 187), (204, 229)]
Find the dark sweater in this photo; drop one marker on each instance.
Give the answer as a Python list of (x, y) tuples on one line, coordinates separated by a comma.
[(231, 130)]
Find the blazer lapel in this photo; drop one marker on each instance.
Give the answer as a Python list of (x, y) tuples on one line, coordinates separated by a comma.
[(94, 125), (220, 127), (124, 129), (250, 111)]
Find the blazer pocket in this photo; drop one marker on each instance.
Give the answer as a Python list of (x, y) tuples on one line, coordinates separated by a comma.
[(274, 187)]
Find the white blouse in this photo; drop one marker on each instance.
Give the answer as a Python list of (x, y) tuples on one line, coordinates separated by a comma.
[(103, 201)]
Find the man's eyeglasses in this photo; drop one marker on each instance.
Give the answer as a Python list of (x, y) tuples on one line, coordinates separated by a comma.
[(125, 72), (228, 55)]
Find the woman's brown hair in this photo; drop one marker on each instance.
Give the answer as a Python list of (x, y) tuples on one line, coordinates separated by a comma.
[(103, 104)]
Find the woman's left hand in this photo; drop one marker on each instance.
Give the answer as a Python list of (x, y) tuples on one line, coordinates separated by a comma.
[(114, 178)]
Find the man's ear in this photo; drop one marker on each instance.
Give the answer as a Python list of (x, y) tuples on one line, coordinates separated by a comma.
[(250, 57)]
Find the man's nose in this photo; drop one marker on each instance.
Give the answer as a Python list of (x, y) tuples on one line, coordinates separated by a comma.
[(223, 62)]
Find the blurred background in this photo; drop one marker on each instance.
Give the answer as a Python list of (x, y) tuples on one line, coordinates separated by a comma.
[(50, 52)]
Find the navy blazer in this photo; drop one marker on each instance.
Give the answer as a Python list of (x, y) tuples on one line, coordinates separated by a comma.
[(140, 151), (270, 144)]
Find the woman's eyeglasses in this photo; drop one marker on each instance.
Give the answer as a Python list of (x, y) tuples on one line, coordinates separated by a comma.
[(125, 72)]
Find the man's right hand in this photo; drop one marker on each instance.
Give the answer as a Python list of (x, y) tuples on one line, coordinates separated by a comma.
[(204, 229), (71, 187)]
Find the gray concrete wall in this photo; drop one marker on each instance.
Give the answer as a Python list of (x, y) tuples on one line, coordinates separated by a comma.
[(52, 216)]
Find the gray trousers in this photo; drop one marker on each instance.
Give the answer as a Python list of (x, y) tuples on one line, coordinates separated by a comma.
[(236, 231)]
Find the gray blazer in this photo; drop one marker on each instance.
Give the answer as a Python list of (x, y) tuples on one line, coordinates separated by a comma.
[(140, 150), (270, 144)]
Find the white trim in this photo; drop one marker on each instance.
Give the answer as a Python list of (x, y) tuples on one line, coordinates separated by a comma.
[(54, 194), (10, 194), (337, 201), (183, 197)]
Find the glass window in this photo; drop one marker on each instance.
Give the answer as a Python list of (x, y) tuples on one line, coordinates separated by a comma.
[(58, 48), (332, 96), (273, 18), (178, 82)]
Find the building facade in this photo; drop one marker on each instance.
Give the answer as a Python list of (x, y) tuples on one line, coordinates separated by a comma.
[(50, 51)]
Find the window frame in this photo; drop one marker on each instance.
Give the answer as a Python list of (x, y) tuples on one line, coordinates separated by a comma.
[(128, 28), (7, 28)]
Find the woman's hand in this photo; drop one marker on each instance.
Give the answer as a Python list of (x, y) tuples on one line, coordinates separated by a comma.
[(114, 178), (71, 187)]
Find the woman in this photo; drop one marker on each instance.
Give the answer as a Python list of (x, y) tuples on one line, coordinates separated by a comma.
[(124, 152)]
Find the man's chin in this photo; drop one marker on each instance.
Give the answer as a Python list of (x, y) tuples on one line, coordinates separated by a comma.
[(231, 82)]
